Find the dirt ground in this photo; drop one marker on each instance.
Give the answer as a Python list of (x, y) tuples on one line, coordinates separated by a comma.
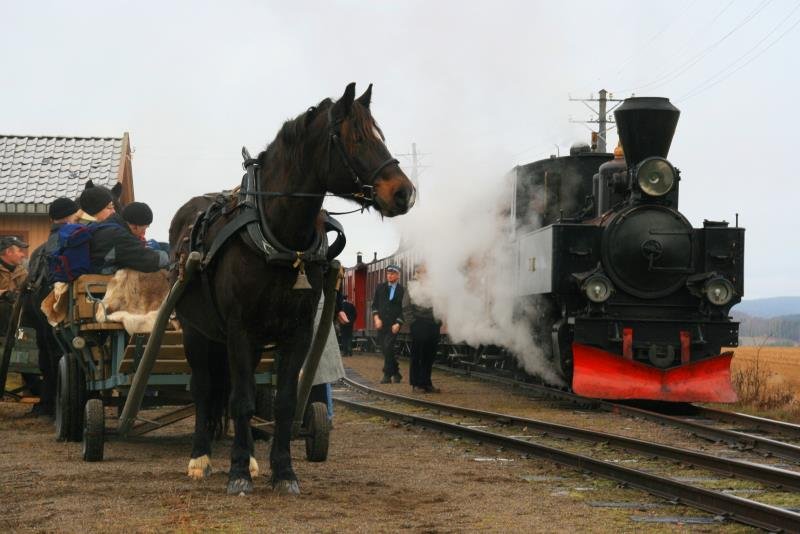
[(380, 477)]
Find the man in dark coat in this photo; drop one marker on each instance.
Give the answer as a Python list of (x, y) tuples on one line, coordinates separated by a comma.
[(424, 328), (115, 247), (61, 211), (387, 316), (347, 316)]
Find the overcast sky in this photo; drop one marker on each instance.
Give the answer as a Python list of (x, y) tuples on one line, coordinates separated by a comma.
[(479, 86)]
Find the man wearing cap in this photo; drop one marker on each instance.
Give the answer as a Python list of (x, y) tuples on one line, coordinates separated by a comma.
[(114, 246), (12, 277), (387, 316), (139, 217), (61, 211), (13, 252)]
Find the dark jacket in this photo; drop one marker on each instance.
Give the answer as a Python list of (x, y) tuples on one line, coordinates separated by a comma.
[(349, 309), (40, 270), (415, 313), (115, 247), (390, 311)]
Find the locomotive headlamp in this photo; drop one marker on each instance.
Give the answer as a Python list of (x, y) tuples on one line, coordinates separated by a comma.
[(719, 291), (655, 176), (598, 288)]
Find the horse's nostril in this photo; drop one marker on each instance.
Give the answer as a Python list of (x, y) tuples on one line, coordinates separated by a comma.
[(401, 198)]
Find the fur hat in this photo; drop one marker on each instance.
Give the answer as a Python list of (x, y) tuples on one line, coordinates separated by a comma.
[(137, 213), (62, 207), (94, 199)]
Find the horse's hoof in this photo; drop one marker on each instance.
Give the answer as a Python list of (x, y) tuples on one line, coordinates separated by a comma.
[(253, 468), (286, 487), (199, 468), (240, 486)]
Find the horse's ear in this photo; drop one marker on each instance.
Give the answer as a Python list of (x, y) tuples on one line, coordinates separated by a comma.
[(89, 184), (117, 190), (366, 98), (345, 104)]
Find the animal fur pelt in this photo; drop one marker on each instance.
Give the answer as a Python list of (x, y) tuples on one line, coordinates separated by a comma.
[(55, 305), (133, 298)]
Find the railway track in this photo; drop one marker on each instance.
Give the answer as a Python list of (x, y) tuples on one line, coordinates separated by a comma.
[(744, 438), (729, 506)]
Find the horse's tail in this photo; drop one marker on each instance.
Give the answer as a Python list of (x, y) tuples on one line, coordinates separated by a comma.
[(218, 416)]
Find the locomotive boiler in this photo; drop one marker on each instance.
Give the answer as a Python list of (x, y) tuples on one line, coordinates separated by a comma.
[(631, 300)]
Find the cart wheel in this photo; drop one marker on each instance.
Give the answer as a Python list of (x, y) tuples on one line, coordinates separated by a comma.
[(64, 400), (94, 426), (319, 432), (70, 398)]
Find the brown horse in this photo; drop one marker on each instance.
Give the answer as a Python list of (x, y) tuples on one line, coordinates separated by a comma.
[(245, 298)]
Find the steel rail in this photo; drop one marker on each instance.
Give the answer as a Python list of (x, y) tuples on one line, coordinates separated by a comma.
[(760, 423), (736, 508), (771, 476), (740, 440)]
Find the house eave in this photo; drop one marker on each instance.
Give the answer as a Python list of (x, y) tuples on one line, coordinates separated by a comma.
[(23, 208)]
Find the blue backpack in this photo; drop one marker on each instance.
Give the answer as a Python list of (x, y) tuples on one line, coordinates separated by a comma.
[(72, 257)]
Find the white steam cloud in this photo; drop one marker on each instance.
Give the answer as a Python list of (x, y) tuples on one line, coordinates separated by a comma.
[(461, 232)]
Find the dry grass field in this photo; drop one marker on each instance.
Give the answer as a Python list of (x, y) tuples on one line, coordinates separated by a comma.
[(768, 380)]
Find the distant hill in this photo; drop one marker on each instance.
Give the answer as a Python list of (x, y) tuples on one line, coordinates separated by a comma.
[(775, 331), (769, 308)]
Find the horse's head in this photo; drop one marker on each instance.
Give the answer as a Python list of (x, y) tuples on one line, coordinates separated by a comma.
[(360, 163)]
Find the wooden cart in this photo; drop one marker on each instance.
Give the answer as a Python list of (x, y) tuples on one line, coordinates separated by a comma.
[(102, 366)]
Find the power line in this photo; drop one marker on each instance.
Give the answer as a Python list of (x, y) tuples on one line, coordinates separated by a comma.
[(655, 36), (682, 68), (710, 82)]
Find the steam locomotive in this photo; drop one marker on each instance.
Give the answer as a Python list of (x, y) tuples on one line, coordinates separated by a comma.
[(631, 301), (635, 299)]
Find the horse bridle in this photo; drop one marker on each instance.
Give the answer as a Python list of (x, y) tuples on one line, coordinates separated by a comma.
[(364, 191)]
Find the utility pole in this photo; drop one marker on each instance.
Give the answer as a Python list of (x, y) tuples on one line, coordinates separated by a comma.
[(416, 168), (602, 119)]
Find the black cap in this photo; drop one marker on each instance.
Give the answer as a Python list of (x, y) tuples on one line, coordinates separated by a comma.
[(62, 207), (8, 241), (94, 199), (137, 213), (393, 267)]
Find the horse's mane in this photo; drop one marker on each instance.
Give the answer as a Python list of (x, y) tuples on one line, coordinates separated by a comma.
[(296, 130), (293, 132)]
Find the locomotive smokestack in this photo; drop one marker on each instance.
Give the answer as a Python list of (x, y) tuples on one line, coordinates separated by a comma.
[(646, 126)]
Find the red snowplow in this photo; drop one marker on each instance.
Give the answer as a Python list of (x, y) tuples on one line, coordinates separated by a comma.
[(604, 375)]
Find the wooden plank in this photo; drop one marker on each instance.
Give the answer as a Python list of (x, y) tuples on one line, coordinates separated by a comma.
[(163, 420), (181, 366), (102, 326), (167, 352)]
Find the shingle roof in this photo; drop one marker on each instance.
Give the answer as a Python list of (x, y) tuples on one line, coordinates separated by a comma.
[(39, 169)]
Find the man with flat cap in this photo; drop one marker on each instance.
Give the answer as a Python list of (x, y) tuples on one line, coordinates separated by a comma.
[(13, 252), (113, 245), (12, 275), (387, 316)]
